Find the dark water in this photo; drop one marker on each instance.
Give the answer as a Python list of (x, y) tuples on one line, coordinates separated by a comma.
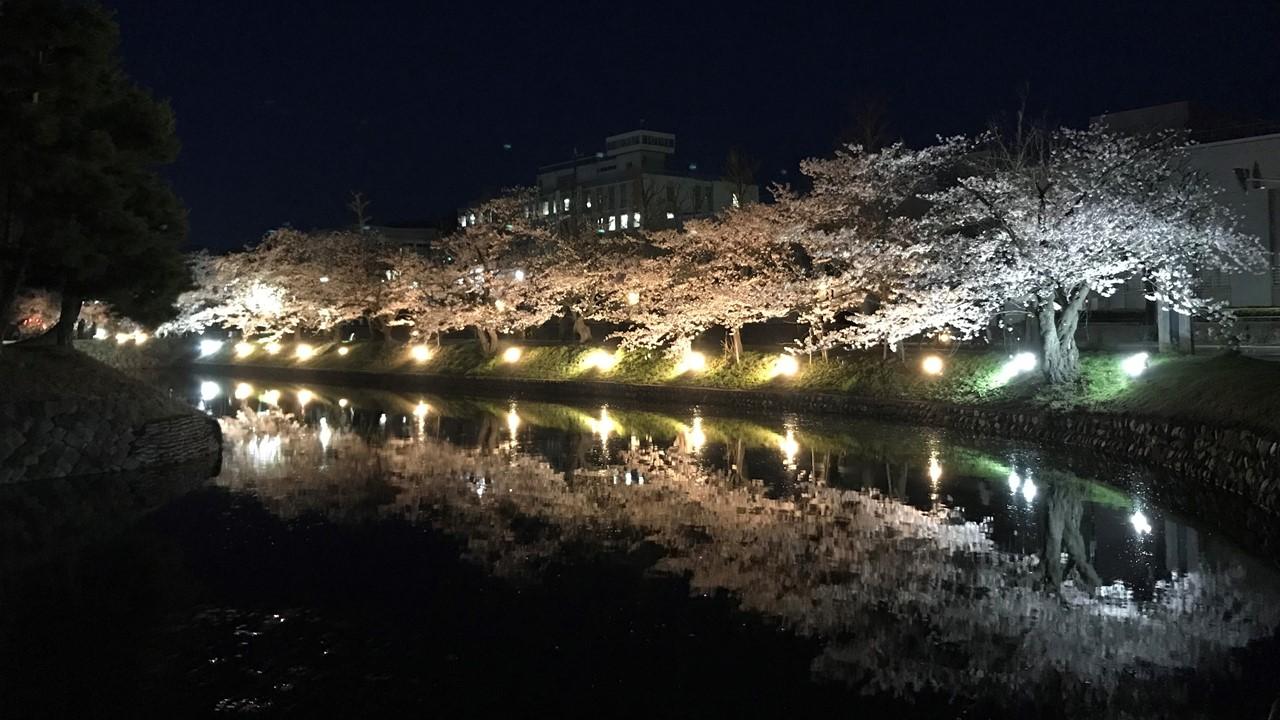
[(368, 554)]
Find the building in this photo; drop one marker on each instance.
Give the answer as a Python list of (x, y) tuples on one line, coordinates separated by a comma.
[(1243, 158), (418, 239), (635, 182)]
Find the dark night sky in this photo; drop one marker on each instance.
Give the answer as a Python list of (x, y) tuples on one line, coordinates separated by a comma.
[(284, 107)]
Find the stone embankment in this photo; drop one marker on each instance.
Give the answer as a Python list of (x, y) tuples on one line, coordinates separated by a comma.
[(66, 438)]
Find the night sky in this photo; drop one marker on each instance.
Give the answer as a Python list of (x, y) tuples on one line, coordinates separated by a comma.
[(285, 107)]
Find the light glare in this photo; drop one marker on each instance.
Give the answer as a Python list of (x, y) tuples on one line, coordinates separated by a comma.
[(932, 365), (1134, 365), (512, 355)]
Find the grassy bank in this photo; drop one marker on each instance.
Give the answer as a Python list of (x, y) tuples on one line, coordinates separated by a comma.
[(1223, 390), (47, 373)]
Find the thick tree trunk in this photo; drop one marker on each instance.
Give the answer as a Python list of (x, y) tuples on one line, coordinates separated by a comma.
[(1061, 356), (488, 340), (65, 330), (735, 343), (582, 329)]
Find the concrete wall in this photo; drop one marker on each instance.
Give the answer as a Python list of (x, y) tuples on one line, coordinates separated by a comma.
[(67, 438)]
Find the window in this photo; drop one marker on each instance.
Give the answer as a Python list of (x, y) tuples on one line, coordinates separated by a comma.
[(671, 216), (462, 221), (636, 219), (566, 204), (613, 222), (546, 208), (626, 221), (473, 218)]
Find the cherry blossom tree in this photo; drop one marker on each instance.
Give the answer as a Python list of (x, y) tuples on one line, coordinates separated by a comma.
[(1045, 218), (491, 288)]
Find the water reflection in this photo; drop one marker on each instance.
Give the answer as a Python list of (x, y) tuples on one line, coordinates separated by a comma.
[(897, 547)]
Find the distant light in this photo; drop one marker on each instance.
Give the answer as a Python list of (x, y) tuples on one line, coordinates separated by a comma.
[(693, 361), (344, 350), (519, 275), (382, 419), (1134, 365), (140, 338), (512, 355), (342, 402), (1140, 523), (209, 390), (932, 365), (244, 349), (1028, 490), (786, 365), (272, 348), (945, 338), (305, 396), (671, 216), (324, 278), (270, 397), (633, 298), (122, 338), (601, 360), (101, 334), (243, 391), (420, 353), (304, 351), (421, 409)]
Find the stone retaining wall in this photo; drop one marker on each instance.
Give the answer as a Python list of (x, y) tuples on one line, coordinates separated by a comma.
[(65, 438)]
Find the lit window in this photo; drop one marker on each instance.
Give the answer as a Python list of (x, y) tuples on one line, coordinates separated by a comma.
[(462, 221), (635, 219), (588, 201), (546, 208), (626, 220), (613, 222), (473, 219), (671, 216)]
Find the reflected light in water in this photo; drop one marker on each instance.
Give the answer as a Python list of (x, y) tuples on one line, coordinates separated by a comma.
[(695, 437), (935, 468), (1140, 523), (326, 433), (604, 426), (209, 390), (243, 391), (1014, 481), (790, 448), (1028, 489), (513, 421)]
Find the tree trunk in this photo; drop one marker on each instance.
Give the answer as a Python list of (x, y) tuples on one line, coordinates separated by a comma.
[(735, 343), (488, 340), (583, 330), (65, 330), (1061, 356)]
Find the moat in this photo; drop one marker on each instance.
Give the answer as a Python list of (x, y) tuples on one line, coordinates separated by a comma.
[(365, 552)]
